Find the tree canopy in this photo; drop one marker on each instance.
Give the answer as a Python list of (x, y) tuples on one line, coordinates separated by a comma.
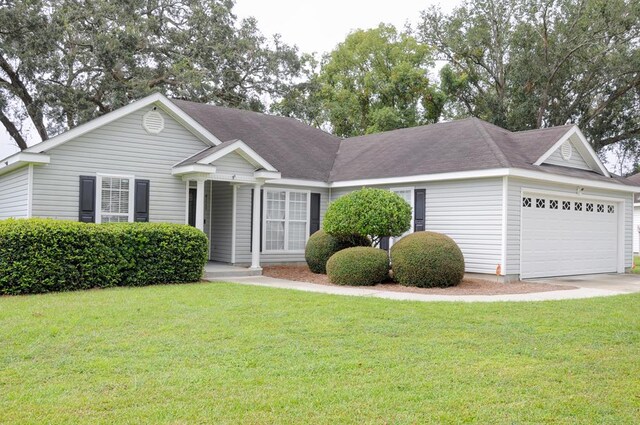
[(524, 64), (63, 62), (376, 80)]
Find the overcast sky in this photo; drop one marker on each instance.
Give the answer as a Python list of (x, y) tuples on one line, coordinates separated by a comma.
[(313, 26)]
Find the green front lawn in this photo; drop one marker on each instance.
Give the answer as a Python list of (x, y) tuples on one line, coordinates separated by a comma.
[(225, 353)]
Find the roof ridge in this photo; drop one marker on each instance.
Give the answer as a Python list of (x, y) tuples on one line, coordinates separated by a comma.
[(408, 128), (264, 114), (500, 156), (553, 127)]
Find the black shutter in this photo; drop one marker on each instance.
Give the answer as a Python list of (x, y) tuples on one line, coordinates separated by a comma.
[(191, 217), (261, 207), (384, 243), (314, 224), (87, 202), (419, 210), (141, 201)]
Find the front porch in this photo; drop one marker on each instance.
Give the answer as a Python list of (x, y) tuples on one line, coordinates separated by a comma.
[(214, 180), (214, 270)]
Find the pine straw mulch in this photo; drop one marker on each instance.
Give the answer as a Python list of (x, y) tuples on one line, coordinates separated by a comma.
[(468, 286)]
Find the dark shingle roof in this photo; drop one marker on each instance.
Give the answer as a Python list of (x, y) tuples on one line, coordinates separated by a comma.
[(463, 145), (303, 152), (295, 149), (205, 153)]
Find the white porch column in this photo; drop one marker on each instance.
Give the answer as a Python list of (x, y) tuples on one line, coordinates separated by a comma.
[(200, 204), (255, 236)]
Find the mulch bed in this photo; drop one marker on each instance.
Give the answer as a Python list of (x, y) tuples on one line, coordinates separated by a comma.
[(468, 286)]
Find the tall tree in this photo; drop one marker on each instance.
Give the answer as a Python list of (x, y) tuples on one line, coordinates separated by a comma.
[(63, 62), (526, 64), (375, 80)]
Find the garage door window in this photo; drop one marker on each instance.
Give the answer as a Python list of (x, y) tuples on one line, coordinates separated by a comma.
[(526, 202), (610, 209), (541, 203), (600, 208)]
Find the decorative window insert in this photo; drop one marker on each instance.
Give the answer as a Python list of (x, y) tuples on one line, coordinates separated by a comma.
[(526, 202), (566, 205), (541, 203), (553, 204), (286, 220), (611, 209), (600, 208), (589, 207), (115, 199), (578, 206)]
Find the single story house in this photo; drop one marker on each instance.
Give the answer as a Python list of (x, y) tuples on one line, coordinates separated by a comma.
[(531, 204)]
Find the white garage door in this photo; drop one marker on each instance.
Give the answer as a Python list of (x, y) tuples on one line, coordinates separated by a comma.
[(564, 236)]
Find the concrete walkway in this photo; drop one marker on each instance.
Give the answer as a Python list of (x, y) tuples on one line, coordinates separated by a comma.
[(581, 292)]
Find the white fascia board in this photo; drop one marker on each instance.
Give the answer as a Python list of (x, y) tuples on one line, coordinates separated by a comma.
[(21, 159), (155, 99), (193, 168), (268, 175), (301, 182), (494, 172), (584, 149), (458, 175), (555, 178), (246, 152)]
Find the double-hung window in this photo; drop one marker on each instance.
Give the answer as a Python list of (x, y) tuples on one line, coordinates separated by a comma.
[(115, 199), (286, 220), (405, 193)]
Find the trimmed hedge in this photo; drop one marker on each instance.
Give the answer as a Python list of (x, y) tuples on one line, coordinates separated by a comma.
[(426, 260), (321, 246), (45, 255), (372, 212), (358, 266)]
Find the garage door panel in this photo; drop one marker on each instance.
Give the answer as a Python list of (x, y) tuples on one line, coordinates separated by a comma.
[(567, 236)]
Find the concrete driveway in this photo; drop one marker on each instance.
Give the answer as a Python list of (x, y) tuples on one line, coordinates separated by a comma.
[(623, 283)]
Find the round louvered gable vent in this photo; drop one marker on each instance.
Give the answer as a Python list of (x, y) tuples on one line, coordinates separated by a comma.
[(566, 150), (153, 122)]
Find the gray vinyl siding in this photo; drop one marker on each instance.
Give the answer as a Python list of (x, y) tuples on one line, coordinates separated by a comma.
[(515, 187), (221, 221), (120, 147), (14, 192), (233, 163), (243, 225), (576, 160), (469, 211)]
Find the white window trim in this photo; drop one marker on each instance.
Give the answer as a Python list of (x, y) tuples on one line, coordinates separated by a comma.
[(412, 190), (99, 177), (286, 220)]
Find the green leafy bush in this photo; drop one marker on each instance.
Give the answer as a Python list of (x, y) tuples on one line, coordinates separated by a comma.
[(358, 266), (426, 260), (376, 213), (44, 255), (321, 246)]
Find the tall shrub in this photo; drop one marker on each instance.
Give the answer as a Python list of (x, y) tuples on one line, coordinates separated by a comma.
[(376, 213)]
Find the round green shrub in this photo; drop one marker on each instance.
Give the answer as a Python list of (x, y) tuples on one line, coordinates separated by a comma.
[(426, 260), (376, 213), (321, 246), (358, 266)]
